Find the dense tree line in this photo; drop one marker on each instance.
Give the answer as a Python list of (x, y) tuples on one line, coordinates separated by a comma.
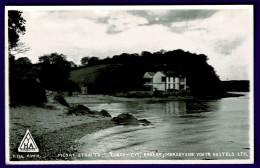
[(27, 81), (201, 77), (24, 86), (54, 70)]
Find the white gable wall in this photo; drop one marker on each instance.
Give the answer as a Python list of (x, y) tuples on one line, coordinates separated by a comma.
[(147, 75), (158, 84), (176, 83)]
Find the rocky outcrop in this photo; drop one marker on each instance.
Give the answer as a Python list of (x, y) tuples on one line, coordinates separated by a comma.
[(105, 113), (83, 110), (60, 99), (79, 110), (128, 119)]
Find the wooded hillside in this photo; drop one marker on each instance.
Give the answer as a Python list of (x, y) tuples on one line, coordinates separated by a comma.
[(125, 72)]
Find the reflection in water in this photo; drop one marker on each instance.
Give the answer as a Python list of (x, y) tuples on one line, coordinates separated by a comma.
[(177, 126), (175, 107)]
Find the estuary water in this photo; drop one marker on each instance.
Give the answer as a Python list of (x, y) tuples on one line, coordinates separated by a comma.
[(213, 129)]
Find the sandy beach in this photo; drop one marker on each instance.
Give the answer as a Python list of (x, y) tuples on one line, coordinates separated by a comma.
[(53, 130)]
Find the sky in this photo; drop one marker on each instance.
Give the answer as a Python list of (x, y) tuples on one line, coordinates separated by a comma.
[(224, 35)]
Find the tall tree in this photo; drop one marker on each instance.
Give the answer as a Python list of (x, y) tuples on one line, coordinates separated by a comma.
[(84, 60), (93, 60), (54, 58), (55, 71), (16, 28), (23, 61), (24, 86)]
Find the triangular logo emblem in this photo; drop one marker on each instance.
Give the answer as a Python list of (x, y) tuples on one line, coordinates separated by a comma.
[(28, 144)]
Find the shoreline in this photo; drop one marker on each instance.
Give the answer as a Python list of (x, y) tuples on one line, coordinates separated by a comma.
[(100, 98), (69, 138), (55, 132)]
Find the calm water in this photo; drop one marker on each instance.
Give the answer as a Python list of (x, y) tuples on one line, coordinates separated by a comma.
[(194, 127)]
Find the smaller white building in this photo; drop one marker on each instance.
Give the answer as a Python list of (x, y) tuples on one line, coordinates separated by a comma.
[(164, 81)]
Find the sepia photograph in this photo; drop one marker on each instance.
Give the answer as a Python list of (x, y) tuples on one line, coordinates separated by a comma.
[(129, 84)]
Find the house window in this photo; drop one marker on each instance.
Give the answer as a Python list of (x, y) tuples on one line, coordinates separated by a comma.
[(169, 79), (163, 79), (169, 86)]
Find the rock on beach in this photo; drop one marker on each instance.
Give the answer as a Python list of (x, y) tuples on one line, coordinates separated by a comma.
[(83, 110), (128, 119)]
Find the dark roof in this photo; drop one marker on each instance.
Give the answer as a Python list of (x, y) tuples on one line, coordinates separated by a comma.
[(167, 73), (151, 73), (173, 74)]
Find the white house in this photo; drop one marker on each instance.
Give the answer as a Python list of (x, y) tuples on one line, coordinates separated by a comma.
[(164, 81)]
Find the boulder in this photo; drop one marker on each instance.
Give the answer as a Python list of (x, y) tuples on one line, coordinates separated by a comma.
[(83, 110), (145, 122), (95, 112), (128, 119), (105, 113), (60, 99), (79, 110)]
